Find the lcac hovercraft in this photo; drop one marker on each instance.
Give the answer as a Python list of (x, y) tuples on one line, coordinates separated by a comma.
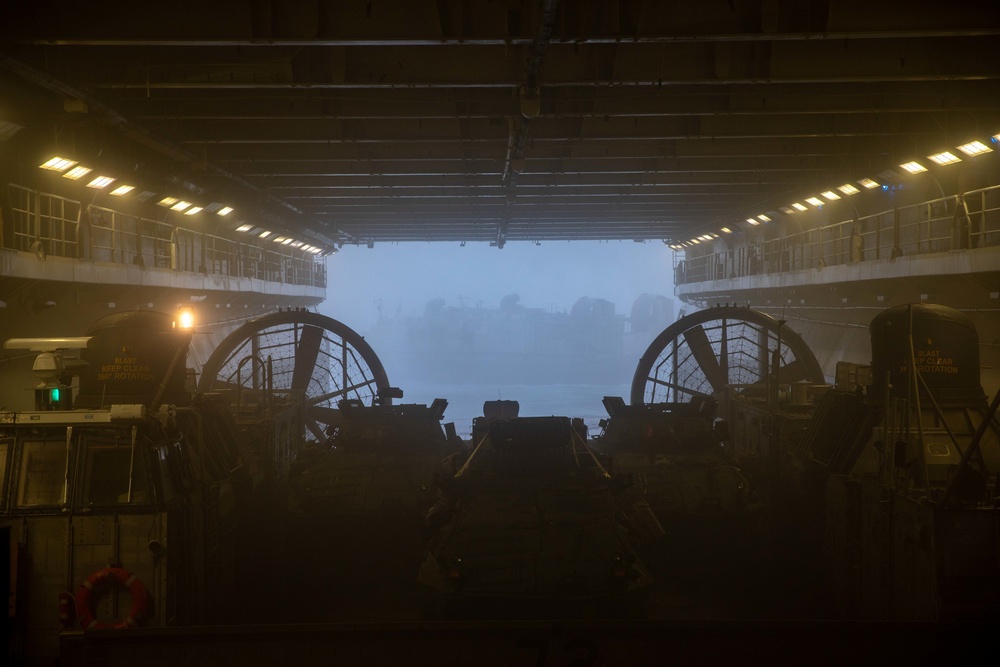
[(125, 491)]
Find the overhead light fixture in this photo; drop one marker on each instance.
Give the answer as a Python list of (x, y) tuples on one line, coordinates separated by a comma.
[(763, 218), (726, 230), (225, 210), (167, 201), (913, 167), (244, 228), (264, 234), (943, 158), (286, 241), (695, 241), (868, 183), (705, 237), (180, 206), (714, 236), (799, 207), (57, 164), (297, 244), (848, 189), (786, 210), (193, 210), (975, 148), (753, 221), (122, 190), (77, 172), (831, 195), (279, 239), (101, 182), (815, 201)]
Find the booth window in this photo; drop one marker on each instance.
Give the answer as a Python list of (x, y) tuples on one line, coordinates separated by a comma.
[(114, 474), (43, 473)]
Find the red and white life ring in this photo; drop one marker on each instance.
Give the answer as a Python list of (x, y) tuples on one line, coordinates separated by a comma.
[(97, 583)]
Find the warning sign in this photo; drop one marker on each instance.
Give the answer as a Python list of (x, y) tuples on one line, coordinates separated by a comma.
[(932, 361), (126, 368)]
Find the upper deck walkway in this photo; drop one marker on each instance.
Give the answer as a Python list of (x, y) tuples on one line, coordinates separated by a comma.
[(945, 250), (47, 241)]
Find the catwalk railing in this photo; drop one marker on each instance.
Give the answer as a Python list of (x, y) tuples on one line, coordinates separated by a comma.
[(48, 224), (960, 222)]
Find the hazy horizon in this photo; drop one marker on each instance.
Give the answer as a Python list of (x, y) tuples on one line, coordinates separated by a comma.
[(552, 276)]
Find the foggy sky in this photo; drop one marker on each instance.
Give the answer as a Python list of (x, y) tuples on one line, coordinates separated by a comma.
[(552, 275)]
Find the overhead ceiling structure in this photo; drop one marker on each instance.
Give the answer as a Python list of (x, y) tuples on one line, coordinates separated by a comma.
[(369, 121)]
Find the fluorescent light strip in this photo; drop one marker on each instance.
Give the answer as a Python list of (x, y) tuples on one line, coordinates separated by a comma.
[(763, 218), (868, 183), (225, 210), (799, 207), (180, 206), (848, 189), (286, 241), (726, 230), (264, 234), (101, 182), (193, 210), (77, 172), (943, 158), (167, 201), (753, 221), (122, 190), (913, 167), (975, 148), (57, 164), (279, 239), (244, 228), (815, 201), (831, 195)]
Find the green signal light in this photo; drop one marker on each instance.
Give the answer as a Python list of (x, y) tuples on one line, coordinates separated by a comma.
[(54, 394)]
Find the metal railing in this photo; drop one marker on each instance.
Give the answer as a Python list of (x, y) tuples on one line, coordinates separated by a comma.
[(959, 222), (47, 224)]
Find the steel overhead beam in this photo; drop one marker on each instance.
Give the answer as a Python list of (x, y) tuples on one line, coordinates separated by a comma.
[(481, 150), (319, 185), (547, 128), (792, 147), (658, 65), (570, 39), (772, 99), (291, 173)]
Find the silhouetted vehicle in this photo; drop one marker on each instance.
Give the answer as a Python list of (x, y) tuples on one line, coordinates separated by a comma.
[(124, 493), (676, 460), (532, 514), (377, 459), (131, 494)]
